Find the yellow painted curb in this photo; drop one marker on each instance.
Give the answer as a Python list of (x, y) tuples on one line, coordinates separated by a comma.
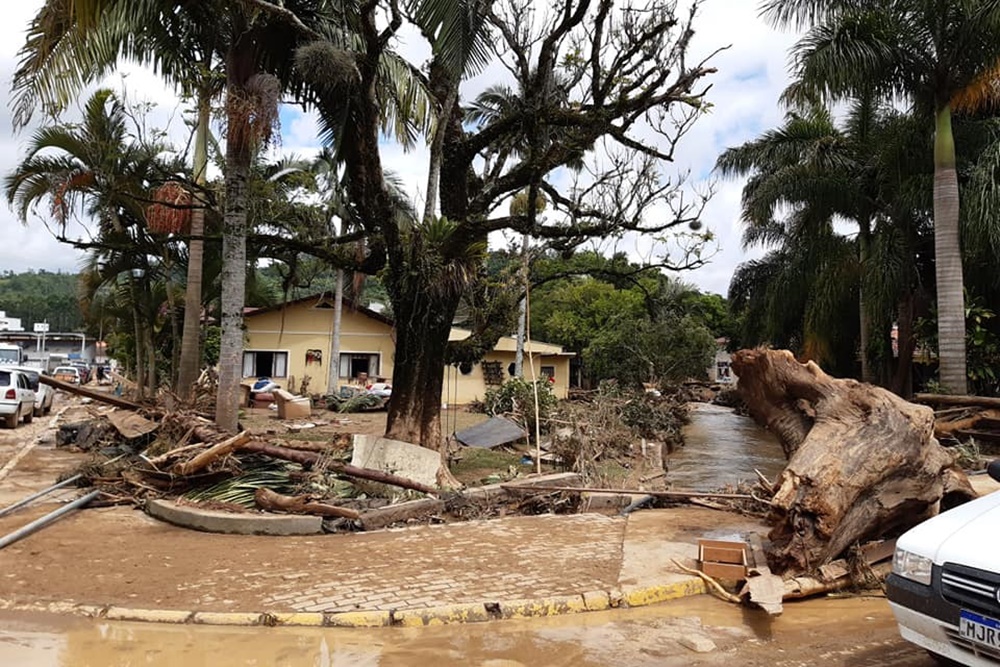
[(552, 606), (358, 619), (144, 615), (475, 612), (641, 597), (445, 614)]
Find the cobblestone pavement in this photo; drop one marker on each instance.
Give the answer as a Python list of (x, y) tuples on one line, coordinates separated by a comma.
[(503, 560), (122, 557)]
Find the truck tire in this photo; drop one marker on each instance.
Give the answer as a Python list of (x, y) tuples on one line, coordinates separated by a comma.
[(29, 415)]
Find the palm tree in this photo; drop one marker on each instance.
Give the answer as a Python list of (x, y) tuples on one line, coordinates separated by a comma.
[(102, 171), (183, 40), (939, 56)]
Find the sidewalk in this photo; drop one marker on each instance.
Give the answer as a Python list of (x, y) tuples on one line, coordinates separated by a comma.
[(120, 563)]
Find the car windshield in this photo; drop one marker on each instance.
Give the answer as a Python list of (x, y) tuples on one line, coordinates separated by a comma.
[(9, 357)]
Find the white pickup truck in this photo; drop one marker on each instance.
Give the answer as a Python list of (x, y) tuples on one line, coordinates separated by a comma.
[(945, 584)]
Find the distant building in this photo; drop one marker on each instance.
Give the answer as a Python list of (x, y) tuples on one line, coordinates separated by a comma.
[(10, 323), (294, 340), (721, 371)]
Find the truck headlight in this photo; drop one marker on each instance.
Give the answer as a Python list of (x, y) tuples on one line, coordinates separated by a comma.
[(912, 566)]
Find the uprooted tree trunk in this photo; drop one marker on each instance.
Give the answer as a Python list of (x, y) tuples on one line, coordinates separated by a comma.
[(862, 462)]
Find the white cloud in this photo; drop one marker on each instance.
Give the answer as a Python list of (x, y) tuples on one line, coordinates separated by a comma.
[(751, 75)]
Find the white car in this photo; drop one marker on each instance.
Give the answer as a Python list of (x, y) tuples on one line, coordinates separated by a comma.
[(945, 584), (43, 393), (17, 399)]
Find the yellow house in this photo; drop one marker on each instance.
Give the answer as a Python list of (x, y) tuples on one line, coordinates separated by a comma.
[(295, 339)]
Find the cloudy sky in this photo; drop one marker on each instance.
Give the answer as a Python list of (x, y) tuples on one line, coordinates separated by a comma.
[(751, 74)]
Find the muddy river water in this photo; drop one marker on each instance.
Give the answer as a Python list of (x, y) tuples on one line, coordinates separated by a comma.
[(722, 447)]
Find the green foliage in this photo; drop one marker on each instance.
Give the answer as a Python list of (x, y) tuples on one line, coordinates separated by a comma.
[(516, 397), (640, 351), (982, 346), (42, 297), (211, 345)]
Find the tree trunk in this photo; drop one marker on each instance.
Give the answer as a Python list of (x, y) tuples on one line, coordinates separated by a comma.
[(906, 344), (864, 239), (190, 361), (234, 246), (422, 329), (948, 259), (140, 376), (333, 369), (863, 463)]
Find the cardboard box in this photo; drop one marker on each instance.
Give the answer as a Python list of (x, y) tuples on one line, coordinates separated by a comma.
[(723, 559), (291, 406)]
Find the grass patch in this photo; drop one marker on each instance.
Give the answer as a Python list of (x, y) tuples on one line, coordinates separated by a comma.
[(476, 464)]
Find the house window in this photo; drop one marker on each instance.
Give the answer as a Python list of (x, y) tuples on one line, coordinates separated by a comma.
[(353, 364), (265, 363), (548, 372)]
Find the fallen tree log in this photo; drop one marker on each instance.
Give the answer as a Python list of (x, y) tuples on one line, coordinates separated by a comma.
[(306, 457), (401, 512), (269, 500), (212, 454), (863, 463), (102, 396), (958, 400), (677, 495)]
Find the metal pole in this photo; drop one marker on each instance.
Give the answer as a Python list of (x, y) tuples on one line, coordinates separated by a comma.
[(41, 522), (21, 503)]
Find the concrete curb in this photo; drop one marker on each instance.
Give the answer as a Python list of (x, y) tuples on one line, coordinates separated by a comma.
[(455, 613), (212, 521)]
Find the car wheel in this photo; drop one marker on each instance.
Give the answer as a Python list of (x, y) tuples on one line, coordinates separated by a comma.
[(941, 660), (11, 421), (29, 415)]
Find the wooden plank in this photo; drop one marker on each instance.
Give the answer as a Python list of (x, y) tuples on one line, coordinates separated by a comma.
[(723, 555), (102, 396), (724, 570), (948, 399)]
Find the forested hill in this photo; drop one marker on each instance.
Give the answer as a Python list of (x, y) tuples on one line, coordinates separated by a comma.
[(42, 296)]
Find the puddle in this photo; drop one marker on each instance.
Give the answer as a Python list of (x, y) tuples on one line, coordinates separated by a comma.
[(721, 448), (640, 637)]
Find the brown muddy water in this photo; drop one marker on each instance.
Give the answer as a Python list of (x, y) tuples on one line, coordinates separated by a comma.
[(722, 448), (648, 636)]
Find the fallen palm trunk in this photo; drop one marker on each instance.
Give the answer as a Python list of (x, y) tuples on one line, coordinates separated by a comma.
[(401, 513), (269, 500), (306, 457), (677, 495), (961, 401), (100, 396), (213, 453), (862, 461)]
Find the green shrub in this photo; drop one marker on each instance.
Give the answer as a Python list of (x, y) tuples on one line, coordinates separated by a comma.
[(515, 398)]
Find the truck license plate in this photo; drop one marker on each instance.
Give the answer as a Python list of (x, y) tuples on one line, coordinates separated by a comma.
[(980, 629)]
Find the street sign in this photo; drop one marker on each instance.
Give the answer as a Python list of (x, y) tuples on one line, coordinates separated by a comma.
[(41, 327)]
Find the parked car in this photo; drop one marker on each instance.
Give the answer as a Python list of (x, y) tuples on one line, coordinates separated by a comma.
[(84, 370), (43, 392), (68, 374), (17, 400), (945, 584)]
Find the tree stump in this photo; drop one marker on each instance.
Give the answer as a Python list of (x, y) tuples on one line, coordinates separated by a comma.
[(862, 462)]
